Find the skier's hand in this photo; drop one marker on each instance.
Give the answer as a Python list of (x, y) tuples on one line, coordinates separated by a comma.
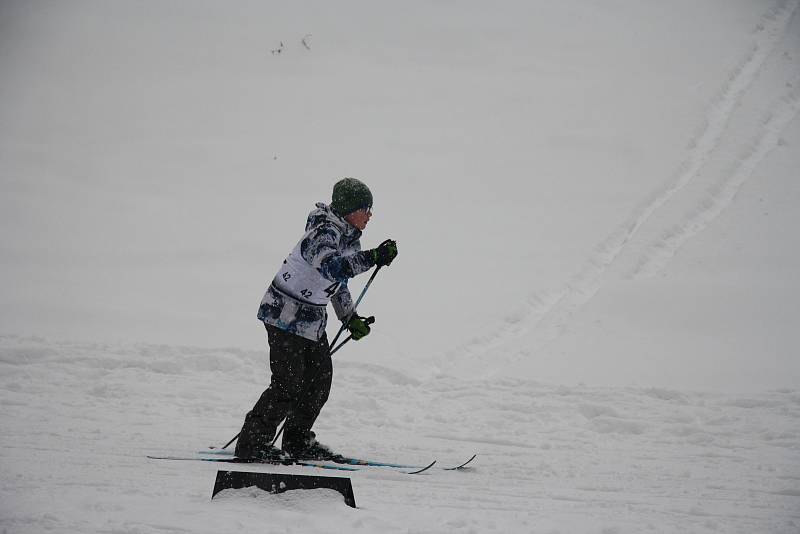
[(359, 326), (385, 253)]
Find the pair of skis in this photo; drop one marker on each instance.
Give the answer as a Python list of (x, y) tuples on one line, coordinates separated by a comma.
[(341, 463)]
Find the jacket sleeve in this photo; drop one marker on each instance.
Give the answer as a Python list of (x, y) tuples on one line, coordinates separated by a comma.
[(342, 302), (320, 249)]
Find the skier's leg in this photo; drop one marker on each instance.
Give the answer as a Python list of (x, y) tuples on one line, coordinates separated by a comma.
[(317, 378), (288, 368)]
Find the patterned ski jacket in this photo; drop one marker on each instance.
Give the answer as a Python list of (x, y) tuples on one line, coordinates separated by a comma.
[(315, 272)]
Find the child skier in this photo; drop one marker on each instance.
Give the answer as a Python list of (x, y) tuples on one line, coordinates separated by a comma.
[(294, 313)]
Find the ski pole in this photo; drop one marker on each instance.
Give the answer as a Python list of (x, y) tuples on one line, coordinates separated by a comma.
[(232, 440), (346, 323), (368, 321)]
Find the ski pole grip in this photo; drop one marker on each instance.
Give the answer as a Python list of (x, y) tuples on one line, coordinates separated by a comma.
[(369, 320)]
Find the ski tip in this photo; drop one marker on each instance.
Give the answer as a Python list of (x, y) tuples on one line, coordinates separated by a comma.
[(462, 466), (418, 471)]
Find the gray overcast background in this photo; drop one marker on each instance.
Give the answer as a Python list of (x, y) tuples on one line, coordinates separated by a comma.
[(573, 201)]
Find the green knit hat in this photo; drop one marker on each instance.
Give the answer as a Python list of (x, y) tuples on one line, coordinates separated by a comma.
[(350, 195)]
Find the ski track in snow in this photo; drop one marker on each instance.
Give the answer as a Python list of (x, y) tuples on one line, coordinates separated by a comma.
[(660, 252), (78, 421), (546, 313)]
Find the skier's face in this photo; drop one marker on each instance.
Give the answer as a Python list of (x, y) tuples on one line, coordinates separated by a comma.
[(359, 218)]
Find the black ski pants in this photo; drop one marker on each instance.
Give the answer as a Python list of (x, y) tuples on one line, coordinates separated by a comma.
[(301, 382)]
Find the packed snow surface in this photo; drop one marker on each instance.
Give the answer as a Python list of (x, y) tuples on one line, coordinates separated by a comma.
[(80, 419), (596, 209)]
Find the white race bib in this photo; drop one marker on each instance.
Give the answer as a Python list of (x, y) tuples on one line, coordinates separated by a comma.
[(303, 282)]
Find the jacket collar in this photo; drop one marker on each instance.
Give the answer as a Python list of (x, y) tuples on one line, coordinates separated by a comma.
[(326, 214)]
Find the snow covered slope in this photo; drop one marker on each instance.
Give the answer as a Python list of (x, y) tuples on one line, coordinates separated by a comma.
[(78, 421), (697, 286), (592, 178), (596, 209)]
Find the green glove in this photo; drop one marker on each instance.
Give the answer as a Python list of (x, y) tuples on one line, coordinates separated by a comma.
[(359, 326), (385, 253)]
